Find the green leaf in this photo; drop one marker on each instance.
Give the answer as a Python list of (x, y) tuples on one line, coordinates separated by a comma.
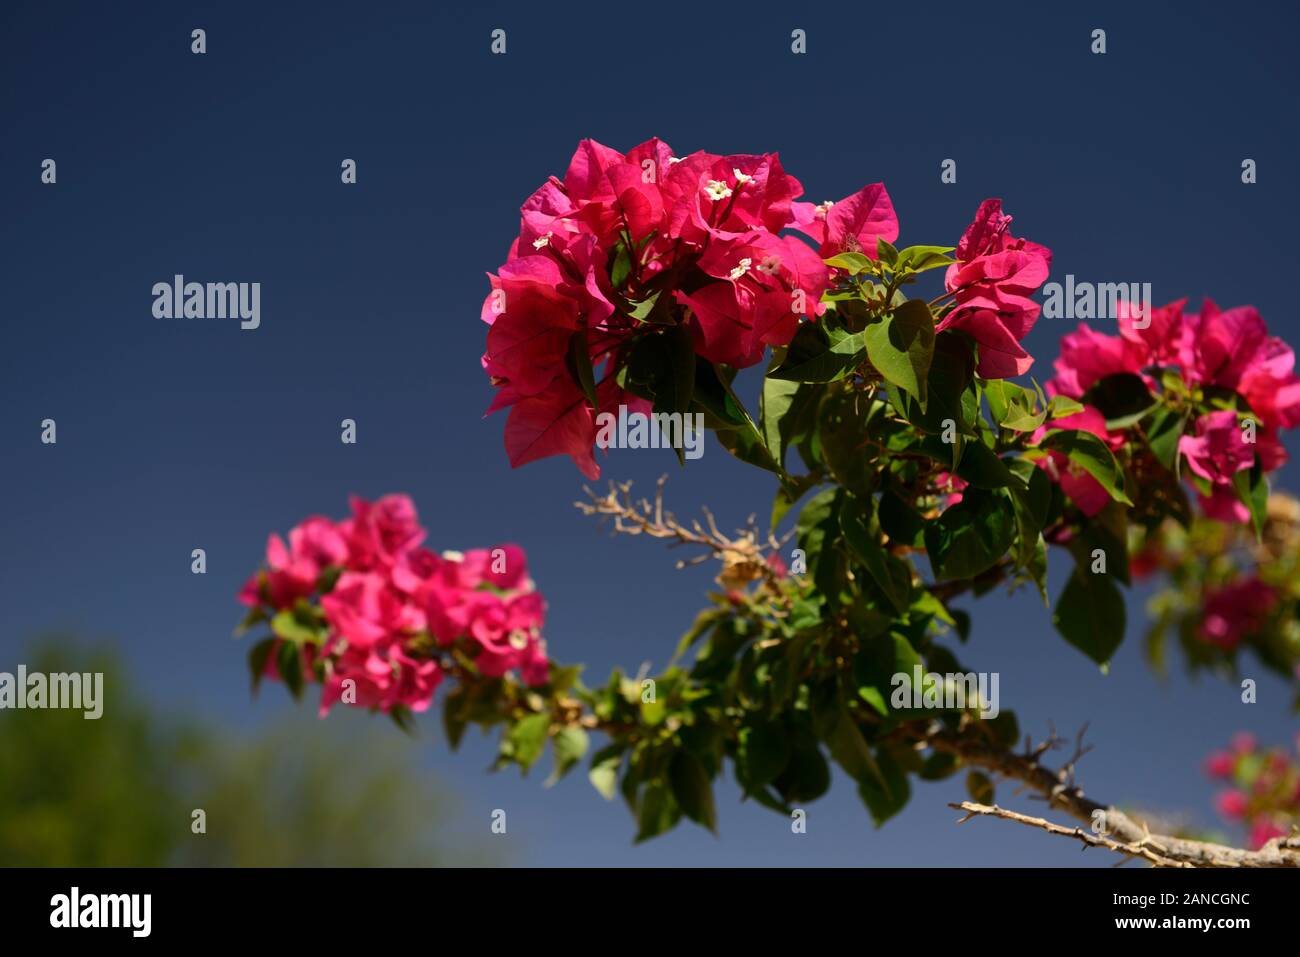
[(454, 718), (703, 622), (621, 267), (981, 467), (527, 739), (835, 362), (876, 665), (980, 787), (842, 426), (972, 536), (692, 789), (1251, 486), (569, 745), (641, 310), (735, 431), (675, 386), (258, 656), (1106, 531), (1163, 435), (287, 625), (762, 754), (604, 771), (774, 402), (816, 531), (916, 259), (891, 575), (952, 392), (712, 398), (1005, 728), (886, 252), (579, 365), (1003, 394), (901, 347), (1090, 614), (289, 663), (254, 616), (850, 749), (807, 776), (401, 716), (887, 795), (1020, 420), (851, 262), (901, 522), (657, 812), (1031, 502), (1062, 406), (1093, 456)]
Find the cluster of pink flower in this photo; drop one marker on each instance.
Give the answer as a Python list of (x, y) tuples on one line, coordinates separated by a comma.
[(1214, 351), (1265, 795), (632, 242), (991, 282), (388, 604), (1232, 612)]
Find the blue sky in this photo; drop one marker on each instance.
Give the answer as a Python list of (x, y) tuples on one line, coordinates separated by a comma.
[(176, 435)]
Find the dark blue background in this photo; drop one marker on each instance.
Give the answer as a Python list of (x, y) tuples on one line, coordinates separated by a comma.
[(225, 167)]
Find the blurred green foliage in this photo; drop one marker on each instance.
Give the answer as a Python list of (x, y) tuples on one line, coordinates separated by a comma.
[(122, 790)]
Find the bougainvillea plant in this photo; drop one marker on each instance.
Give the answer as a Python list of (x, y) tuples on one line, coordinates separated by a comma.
[(1262, 788), (920, 472)]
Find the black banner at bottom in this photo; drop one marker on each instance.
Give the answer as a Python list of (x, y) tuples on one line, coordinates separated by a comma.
[(334, 907)]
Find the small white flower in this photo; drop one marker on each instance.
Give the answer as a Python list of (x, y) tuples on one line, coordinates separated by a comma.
[(674, 159), (741, 178), (742, 268), (717, 190), (518, 640), (770, 266), (541, 241), (824, 208), (453, 556)]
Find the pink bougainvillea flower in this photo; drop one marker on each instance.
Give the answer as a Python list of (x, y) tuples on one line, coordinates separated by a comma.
[(560, 421), (380, 531), (1218, 449), (620, 229), (950, 486), (1223, 505), (852, 224), (528, 342), (1155, 339), (1084, 490), (392, 599), (1220, 764), (294, 569), (766, 286), (1234, 611), (1263, 830), (721, 323), (1086, 357), (991, 283), (1227, 344), (1232, 804), (366, 610), (1243, 742)]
